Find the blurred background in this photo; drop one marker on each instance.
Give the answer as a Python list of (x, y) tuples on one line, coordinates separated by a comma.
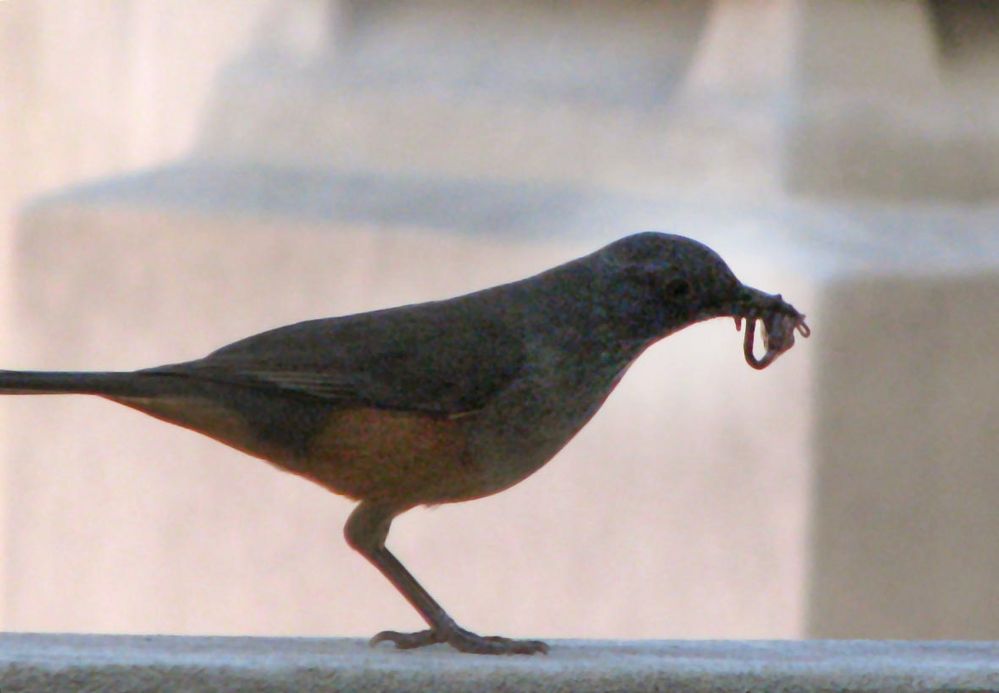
[(178, 175)]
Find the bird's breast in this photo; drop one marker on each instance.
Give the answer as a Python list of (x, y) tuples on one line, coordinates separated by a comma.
[(529, 422)]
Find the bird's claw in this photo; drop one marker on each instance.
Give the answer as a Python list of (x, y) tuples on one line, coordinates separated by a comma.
[(462, 640)]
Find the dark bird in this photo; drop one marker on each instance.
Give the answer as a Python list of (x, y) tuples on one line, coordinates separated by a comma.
[(443, 401)]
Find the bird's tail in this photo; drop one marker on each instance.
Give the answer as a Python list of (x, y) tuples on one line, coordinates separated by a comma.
[(71, 382)]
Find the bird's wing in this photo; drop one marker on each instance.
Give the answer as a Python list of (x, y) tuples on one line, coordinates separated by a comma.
[(443, 358)]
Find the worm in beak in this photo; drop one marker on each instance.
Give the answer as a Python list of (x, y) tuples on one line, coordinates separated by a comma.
[(780, 321)]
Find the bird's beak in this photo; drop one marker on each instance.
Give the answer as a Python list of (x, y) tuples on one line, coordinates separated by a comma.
[(780, 321)]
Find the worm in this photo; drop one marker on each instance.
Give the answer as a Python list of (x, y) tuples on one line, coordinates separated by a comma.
[(780, 322)]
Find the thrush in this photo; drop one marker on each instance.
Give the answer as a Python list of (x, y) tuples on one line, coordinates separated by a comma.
[(443, 401)]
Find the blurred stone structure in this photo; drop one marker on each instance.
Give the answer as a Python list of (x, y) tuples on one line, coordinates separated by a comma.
[(361, 154)]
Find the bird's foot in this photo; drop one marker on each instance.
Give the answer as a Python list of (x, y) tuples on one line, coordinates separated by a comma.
[(461, 640)]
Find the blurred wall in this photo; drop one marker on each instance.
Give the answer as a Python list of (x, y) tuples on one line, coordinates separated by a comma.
[(93, 89), (97, 88), (106, 86)]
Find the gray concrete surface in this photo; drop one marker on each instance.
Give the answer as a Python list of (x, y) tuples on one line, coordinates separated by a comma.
[(32, 663)]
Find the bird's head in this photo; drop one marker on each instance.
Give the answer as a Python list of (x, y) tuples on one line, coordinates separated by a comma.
[(656, 284)]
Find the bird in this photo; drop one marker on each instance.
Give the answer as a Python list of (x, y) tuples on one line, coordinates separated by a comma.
[(443, 401)]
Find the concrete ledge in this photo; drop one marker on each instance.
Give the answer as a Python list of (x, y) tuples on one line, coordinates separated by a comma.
[(42, 662)]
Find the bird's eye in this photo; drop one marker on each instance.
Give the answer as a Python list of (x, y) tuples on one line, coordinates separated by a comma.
[(677, 288)]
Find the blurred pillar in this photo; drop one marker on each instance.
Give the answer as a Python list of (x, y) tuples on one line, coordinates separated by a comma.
[(873, 115)]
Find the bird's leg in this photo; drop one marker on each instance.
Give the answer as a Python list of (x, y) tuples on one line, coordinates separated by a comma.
[(366, 531)]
